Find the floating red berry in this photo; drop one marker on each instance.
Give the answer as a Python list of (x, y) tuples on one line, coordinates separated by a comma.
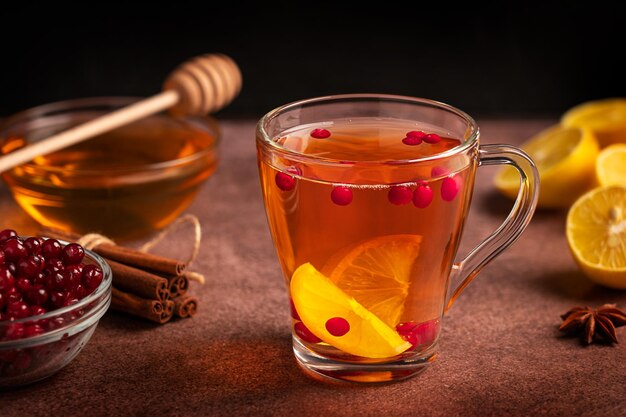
[(432, 138), (305, 334), (294, 312), (337, 326), (419, 334), (284, 181), (400, 195), (412, 140), (449, 188), (439, 171), (423, 195), (342, 196), (415, 134), (320, 133)]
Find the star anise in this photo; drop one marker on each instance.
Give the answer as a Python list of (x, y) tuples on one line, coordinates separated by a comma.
[(599, 323)]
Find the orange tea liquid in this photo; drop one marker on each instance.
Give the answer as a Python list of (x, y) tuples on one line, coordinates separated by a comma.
[(384, 232)]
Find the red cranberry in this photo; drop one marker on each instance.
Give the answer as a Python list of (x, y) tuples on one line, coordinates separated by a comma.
[(51, 249), (33, 330), (92, 277), (11, 267), (37, 310), (40, 279), (14, 331), (439, 171), (320, 133), (2, 258), (422, 196), (38, 295), (285, 182), (55, 323), (73, 276), (294, 312), (30, 266), (337, 326), (12, 295), (305, 334), (79, 292), (23, 285), (342, 196), (415, 134), (412, 140), (18, 310), (57, 298), (2, 301), (73, 254), (33, 245), (70, 299), (400, 194), (449, 189), (53, 265), (14, 250), (432, 138), (56, 281), (419, 334), (6, 279), (7, 233)]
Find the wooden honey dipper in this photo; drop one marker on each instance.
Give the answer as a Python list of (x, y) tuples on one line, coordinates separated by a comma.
[(199, 86)]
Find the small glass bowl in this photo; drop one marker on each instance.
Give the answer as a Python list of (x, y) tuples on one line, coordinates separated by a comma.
[(67, 331), (125, 183)]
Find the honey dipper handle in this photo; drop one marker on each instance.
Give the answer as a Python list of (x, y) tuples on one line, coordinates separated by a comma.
[(199, 86), (90, 129)]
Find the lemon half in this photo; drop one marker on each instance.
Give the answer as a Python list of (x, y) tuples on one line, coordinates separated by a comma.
[(606, 118), (596, 234), (565, 159)]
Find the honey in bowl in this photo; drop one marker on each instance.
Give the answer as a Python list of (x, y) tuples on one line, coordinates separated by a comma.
[(124, 183)]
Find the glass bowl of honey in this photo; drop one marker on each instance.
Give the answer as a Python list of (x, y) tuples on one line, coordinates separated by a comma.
[(125, 183)]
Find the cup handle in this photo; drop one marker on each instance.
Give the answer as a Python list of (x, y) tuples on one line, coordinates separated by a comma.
[(463, 272)]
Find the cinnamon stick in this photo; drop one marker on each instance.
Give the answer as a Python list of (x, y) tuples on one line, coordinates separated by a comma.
[(178, 285), (141, 283), (128, 256), (143, 260), (154, 310), (185, 306)]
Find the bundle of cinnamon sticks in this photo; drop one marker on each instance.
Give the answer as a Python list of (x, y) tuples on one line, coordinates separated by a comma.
[(144, 285)]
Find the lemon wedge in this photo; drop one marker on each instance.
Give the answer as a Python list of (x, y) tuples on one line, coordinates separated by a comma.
[(321, 305)]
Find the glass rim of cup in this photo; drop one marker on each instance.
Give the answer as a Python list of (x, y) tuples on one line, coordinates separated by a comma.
[(268, 143)]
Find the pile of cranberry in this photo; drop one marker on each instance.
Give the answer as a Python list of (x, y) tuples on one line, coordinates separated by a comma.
[(39, 275)]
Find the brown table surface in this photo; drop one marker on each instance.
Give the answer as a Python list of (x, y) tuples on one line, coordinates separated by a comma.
[(500, 351)]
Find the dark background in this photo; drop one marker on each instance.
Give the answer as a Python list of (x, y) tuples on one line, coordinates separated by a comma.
[(492, 60)]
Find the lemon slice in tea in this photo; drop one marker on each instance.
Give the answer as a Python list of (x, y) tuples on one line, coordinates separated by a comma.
[(565, 158), (338, 319), (377, 274), (596, 234)]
